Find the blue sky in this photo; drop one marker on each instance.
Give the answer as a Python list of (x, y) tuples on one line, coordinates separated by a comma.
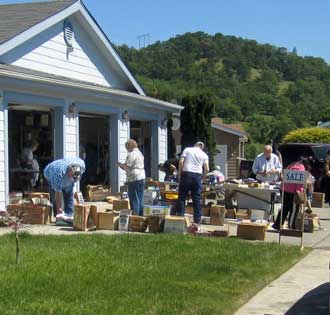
[(303, 24)]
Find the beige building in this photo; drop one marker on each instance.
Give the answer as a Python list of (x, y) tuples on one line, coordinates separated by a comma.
[(230, 140)]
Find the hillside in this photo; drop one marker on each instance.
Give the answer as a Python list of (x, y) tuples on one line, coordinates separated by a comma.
[(269, 89)]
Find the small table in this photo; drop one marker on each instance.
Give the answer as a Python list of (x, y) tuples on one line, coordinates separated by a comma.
[(253, 198)]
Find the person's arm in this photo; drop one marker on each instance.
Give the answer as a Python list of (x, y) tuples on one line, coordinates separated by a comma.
[(206, 168), (277, 166), (255, 166)]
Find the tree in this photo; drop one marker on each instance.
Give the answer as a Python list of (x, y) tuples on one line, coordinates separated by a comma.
[(196, 123)]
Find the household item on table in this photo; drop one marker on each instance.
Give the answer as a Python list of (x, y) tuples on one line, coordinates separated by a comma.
[(156, 209)]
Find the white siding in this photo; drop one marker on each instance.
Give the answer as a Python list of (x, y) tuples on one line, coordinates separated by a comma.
[(162, 148), (70, 134), (2, 155), (124, 134), (52, 57)]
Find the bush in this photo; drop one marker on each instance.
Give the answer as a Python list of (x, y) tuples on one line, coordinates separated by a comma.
[(308, 135)]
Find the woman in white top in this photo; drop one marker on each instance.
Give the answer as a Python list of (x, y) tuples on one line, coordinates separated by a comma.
[(134, 167)]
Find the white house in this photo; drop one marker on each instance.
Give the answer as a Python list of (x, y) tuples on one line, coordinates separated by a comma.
[(62, 82)]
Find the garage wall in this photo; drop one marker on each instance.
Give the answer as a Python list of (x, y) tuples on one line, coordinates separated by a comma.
[(70, 134)]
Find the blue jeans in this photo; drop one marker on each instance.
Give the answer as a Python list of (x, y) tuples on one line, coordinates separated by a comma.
[(190, 182), (136, 196), (68, 200)]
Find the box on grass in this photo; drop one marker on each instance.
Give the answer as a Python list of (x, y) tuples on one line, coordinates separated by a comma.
[(318, 200), (122, 204), (251, 231), (217, 214), (84, 218), (243, 214), (105, 220), (174, 224), (156, 210)]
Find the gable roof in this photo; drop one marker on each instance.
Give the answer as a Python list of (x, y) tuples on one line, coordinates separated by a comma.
[(25, 15), (21, 21), (236, 129)]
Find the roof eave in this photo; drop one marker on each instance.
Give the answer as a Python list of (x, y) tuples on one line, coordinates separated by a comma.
[(141, 99)]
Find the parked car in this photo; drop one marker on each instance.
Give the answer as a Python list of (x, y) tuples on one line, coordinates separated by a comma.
[(317, 152)]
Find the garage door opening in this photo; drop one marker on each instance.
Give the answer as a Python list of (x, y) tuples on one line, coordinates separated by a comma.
[(31, 146), (140, 131), (94, 148)]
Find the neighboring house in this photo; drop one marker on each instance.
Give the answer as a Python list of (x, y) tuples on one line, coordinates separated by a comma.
[(62, 82), (230, 140)]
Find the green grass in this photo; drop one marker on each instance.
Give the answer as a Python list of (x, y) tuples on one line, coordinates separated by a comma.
[(135, 274)]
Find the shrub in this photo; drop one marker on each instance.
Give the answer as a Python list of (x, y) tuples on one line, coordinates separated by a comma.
[(308, 135)]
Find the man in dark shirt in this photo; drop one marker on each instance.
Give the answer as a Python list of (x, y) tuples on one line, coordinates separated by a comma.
[(170, 168)]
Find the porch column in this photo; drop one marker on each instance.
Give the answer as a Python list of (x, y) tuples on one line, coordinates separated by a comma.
[(159, 148), (70, 130), (4, 178), (58, 133), (119, 134)]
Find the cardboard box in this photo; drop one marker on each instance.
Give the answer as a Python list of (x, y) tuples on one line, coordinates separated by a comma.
[(251, 231), (122, 204), (311, 223), (174, 224), (33, 214), (98, 192), (217, 214), (205, 211), (230, 214), (156, 210), (243, 214), (105, 220), (318, 200), (84, 217), (189, 210), (39, 195)]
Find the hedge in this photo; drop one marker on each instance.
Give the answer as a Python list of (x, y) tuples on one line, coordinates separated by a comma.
[(308, 135)]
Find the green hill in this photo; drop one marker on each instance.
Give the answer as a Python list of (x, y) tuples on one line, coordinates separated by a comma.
[(269, 89)]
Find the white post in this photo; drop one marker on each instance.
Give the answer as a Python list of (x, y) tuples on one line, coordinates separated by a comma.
[(70, 130), (4, 178)]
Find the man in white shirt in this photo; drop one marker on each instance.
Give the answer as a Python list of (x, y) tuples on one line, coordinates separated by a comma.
[(267, 166), (193, 165)]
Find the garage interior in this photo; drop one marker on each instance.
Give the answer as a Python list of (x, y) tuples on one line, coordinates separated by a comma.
[(94, 149), (25, 124)]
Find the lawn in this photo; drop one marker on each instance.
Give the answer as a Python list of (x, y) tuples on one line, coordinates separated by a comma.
[(135, 274)]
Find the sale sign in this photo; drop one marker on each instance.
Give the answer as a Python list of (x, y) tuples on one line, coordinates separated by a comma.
[(295, 177)]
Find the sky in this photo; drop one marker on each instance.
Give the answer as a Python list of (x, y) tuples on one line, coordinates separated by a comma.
[(304, 24)]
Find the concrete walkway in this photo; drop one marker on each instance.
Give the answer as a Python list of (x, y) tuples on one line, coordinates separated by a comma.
[(304, 289)]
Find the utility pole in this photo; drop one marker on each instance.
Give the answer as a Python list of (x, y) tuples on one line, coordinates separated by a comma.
[(144, 40)]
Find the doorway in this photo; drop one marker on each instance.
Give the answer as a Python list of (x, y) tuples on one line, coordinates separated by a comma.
[(30, 144), (94, 149)]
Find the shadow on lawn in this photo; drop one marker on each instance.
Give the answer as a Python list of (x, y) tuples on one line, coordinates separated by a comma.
[(312, 303)]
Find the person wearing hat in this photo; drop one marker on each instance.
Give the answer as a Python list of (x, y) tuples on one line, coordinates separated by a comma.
[(61, 176), (193, 166)]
